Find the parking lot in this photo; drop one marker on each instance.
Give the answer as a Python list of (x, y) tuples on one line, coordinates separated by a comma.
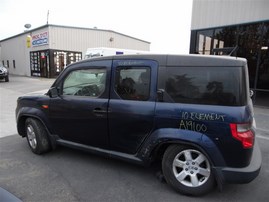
[(72, 175)]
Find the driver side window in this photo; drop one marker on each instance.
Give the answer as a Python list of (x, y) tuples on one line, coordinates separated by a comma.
[(85, 82)]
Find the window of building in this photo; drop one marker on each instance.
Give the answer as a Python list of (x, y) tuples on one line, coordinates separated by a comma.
[(39, 63), (204, 39), (3, 62), (35, 63), (224, 40), (218, 40), (63, 58), (50, 63), (60, 61), (263, 73), (248, 43), (14, 65), (133, 83), (8, 63), (226, 36), (89, 82), (252, 40)]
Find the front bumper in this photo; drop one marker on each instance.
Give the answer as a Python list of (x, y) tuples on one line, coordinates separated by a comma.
[(242, 175), (3, 75)]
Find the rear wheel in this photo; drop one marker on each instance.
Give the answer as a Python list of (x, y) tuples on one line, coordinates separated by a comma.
[(37, 136), (187, 170)]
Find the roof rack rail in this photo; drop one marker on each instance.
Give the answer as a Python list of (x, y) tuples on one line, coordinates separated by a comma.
[(227, 50)]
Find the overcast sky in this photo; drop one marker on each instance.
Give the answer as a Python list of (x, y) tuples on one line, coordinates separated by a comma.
[(166, 24)]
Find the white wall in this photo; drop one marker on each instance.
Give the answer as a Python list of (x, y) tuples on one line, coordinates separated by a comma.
[(16, 49), (79, 39), (215, 13)]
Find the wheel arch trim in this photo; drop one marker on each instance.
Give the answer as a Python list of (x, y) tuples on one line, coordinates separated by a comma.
[(169, 136), (29, 112)]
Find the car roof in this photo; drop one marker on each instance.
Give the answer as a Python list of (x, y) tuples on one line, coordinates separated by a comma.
[(180, 60)]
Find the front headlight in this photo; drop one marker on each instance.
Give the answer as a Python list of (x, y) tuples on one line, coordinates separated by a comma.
[(4, 70)]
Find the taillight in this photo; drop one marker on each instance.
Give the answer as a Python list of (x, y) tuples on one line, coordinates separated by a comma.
[(243, 133)]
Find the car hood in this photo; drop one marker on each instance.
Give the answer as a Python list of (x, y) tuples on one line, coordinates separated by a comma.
[(36, 93), (3, 68)]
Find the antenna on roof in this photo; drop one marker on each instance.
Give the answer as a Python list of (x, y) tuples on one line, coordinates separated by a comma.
[(48, 17)]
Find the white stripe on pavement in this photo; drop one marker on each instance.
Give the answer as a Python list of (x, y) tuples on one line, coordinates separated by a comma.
[(262, 137)]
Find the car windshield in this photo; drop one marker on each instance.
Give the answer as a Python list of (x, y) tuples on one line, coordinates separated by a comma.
[(3, 67)]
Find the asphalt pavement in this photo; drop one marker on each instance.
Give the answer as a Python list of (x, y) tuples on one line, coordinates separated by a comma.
[(71, 175), (261, 115)]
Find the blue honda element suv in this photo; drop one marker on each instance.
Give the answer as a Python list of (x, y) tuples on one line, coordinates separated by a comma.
[(192, 113)]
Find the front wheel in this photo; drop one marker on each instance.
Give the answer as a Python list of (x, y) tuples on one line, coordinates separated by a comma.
[(37, 136), (187, 170)]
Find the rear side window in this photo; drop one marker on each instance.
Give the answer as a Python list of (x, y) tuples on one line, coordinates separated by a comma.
[(133, 83), (204, 85)]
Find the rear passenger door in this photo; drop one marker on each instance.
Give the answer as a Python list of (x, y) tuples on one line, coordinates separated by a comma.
[(132, 103)]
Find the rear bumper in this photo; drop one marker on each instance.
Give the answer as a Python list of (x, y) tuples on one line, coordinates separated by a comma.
[(242, 175)]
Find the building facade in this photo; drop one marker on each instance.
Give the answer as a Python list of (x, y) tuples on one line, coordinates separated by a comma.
[(239, 28), (47, 50)]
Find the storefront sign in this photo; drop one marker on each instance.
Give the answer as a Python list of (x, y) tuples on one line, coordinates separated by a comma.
[(40, 39)]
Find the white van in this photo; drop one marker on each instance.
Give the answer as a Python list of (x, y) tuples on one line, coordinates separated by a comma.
[(102, 51)]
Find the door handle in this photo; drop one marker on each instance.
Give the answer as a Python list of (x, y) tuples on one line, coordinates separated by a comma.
[(99, 111)]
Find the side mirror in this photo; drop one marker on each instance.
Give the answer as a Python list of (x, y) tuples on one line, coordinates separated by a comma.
[(53, 92)]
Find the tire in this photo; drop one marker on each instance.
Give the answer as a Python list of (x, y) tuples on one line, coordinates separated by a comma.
[(7, 79), (37, 136), (187, 170)]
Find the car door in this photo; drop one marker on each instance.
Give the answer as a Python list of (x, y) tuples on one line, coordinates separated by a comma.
[(79, 113), (132, 103)]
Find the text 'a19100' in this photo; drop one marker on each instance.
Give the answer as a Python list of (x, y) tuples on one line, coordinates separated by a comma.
[(192, 125)]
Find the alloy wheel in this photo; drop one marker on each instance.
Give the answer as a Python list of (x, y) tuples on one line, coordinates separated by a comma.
[(191, 168), (31, 136)]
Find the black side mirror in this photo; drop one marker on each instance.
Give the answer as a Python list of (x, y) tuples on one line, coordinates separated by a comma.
[(53, 92)]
